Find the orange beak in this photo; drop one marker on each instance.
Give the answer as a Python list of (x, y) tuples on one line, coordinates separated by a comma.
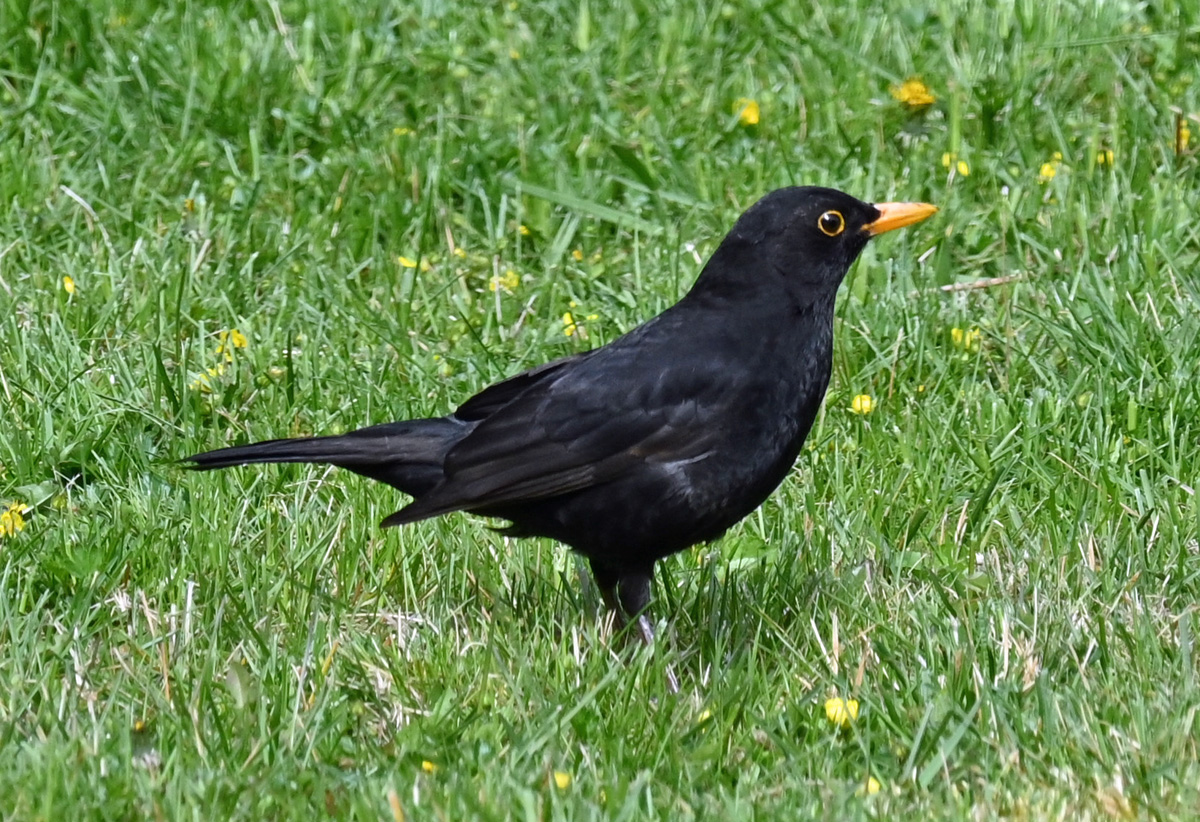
[(898, 215)]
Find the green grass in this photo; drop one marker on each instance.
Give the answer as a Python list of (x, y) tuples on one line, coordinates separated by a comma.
[(999, 562)]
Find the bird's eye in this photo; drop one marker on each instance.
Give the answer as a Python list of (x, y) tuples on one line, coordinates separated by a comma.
[(831, 223)]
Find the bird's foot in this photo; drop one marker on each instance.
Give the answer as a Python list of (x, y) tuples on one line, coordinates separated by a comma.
[(645, 632)]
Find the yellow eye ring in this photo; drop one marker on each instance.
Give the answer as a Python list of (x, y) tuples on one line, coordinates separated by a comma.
[(831, 223)]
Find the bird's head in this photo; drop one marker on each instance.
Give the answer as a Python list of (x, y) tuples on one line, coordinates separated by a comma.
[(806, 235)]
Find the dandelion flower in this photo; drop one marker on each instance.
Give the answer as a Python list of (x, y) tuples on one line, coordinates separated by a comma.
[(747, 111), (913, 93), (841, 712), (12, 519), (562, 780), (862, 404), (428, 766), (68, 285)]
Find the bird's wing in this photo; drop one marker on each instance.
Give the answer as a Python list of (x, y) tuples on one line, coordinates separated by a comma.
[(580, 428), (494, 397)]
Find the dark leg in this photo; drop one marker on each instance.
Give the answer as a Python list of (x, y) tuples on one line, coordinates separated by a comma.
[(627, 594)]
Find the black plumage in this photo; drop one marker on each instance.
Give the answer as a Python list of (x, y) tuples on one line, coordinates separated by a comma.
[(663, 438)]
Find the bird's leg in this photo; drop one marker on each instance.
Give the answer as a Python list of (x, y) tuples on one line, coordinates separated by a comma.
[(627, 594)]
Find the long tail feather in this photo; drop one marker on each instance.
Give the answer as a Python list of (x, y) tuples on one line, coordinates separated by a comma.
[(406, 455)]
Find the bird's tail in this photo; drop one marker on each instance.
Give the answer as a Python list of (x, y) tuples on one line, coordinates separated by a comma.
[(406, 455)]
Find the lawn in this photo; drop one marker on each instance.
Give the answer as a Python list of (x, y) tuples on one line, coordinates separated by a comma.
[(242, 220)]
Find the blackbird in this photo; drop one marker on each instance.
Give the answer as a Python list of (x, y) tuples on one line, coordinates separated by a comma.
[(660, 440)]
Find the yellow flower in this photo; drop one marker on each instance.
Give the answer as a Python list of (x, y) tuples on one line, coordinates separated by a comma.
[(913, 93), (68, 285), (870, 788), (407, 262), (562, 780), (747, 111), (966, 340), (861, 404), (841, 712), (12, 519), (1183, 135), (524, 230), (203, 383), (428, 766), (513, 54), (460, 252), (229, 340), (508, 281), (569, 326), (1050, 169), (577, 254), (401, 131), (1105, 157), (232, 337), (950, 158), (705, 715)]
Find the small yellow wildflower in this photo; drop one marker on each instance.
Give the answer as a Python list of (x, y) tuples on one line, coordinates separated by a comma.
[(562, 780), (408, 262), (203, 383), (747, 111), (871, 787), (577, 255), (228, 340), (524, 230), (705, 715), (841, 712), (1183, 135), (913, 93), (950, 158), (428, 766), (921, 388), (401, 131), (231, 338), (1050, 169), (513, 54), (68, 285), (569, 326), (968, 340), (1105, 157), (460, 252), (506, 281), (12, 519), (862, 404)]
